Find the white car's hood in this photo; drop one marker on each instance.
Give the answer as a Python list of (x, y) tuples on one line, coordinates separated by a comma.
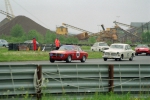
[(104, 46), (114, 50)]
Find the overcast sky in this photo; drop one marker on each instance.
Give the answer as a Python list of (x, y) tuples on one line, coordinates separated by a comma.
[(84, 14)]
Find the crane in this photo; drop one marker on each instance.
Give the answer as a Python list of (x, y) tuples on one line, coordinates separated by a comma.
[(9, 12), (123, 24), (79, 29), (8, 15)]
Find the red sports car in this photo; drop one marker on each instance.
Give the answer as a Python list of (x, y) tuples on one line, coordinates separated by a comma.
[(142, 48), (68, 53)]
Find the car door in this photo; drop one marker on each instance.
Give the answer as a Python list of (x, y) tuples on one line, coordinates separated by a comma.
[(1, 43), (97, 47), (94, 46), (76, 53), (128, 52)]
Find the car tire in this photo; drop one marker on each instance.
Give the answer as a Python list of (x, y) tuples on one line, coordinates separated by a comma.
[(136, 54), (131, 58), (92, 50), (121, 58), (51, 60), (4, 46), (68, 60), (116, 59), (83, 59), (105, 59)]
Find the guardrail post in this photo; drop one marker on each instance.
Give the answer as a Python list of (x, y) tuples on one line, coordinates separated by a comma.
[(39, 77), (111, 77)]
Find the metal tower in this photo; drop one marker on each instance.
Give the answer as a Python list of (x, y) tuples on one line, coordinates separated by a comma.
[(9, 12)]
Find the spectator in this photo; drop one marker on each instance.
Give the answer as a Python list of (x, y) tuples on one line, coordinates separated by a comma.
[(34, 44), (57, 43)]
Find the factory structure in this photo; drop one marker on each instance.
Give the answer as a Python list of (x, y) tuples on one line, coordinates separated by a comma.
[(114, 34)]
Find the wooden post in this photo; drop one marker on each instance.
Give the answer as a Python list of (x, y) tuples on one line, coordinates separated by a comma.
[(111, 77), (39, 77)]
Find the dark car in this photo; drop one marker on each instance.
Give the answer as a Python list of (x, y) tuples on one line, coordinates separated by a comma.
[(142, 48), (68, 53), (30, 44)]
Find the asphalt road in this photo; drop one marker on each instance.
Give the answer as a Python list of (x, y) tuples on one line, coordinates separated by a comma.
[(140, 59)]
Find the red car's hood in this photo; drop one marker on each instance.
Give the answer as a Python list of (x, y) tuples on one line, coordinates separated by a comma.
[(142, 48), (58, 51)]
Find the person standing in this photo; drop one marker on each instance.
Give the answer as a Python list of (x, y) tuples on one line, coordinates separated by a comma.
[(34, 44), (57, 43)]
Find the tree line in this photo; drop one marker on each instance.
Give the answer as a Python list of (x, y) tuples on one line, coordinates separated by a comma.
[(18, 35)]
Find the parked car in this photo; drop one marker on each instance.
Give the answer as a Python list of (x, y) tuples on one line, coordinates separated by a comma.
[(119, 51), (30, 44), (68, 53), (3, 43), (142, 48), (99, 46), (30, 41)]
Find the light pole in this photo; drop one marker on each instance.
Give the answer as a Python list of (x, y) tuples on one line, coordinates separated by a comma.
[(118, 18), (98, 28)]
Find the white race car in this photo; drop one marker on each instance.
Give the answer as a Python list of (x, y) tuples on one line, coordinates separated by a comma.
[(119, 51), (99, 46)]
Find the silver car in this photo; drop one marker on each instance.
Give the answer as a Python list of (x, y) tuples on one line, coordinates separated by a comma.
[(3, 43)]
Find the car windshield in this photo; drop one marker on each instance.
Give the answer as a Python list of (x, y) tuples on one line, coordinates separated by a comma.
[(4, 41), (142, 46), (116, 46), (103, 44), (67, 47)]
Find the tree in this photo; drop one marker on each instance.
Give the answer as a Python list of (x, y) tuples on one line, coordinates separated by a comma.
[(17, 31), (49, 37), (34, 34), (92, 39), (146, 37)]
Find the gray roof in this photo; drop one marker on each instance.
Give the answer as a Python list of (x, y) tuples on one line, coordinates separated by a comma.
[(137, 24)]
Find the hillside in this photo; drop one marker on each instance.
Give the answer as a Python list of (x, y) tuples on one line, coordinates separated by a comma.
[(26, 23)]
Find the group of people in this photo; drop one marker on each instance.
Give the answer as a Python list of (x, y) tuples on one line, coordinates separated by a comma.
[(57, 44)]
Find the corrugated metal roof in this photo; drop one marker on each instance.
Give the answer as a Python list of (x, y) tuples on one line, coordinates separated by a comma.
[(137, 24)]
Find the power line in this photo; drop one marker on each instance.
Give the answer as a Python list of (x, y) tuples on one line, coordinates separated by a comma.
[(30, 13)]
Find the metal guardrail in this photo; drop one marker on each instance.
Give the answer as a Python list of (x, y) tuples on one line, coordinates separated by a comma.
[(74, 78)]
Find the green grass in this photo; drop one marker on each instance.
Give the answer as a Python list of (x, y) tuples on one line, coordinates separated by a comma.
[(8, 56), (96, 96)]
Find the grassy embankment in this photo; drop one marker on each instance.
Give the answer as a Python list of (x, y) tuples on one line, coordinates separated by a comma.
[(7, 56)]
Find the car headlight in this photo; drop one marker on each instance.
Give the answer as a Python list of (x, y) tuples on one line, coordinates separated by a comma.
[(51, 54), (118, 53)]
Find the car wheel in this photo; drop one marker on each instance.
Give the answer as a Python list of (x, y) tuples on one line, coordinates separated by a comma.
[(105, 59), (52, 60), (121, 58), (136, 54), (68, 60), (4, 45), (116, 59), (92, 50), (83, 59), (131, 58)]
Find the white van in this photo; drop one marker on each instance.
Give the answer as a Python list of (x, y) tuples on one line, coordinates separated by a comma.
[(3, 43)]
